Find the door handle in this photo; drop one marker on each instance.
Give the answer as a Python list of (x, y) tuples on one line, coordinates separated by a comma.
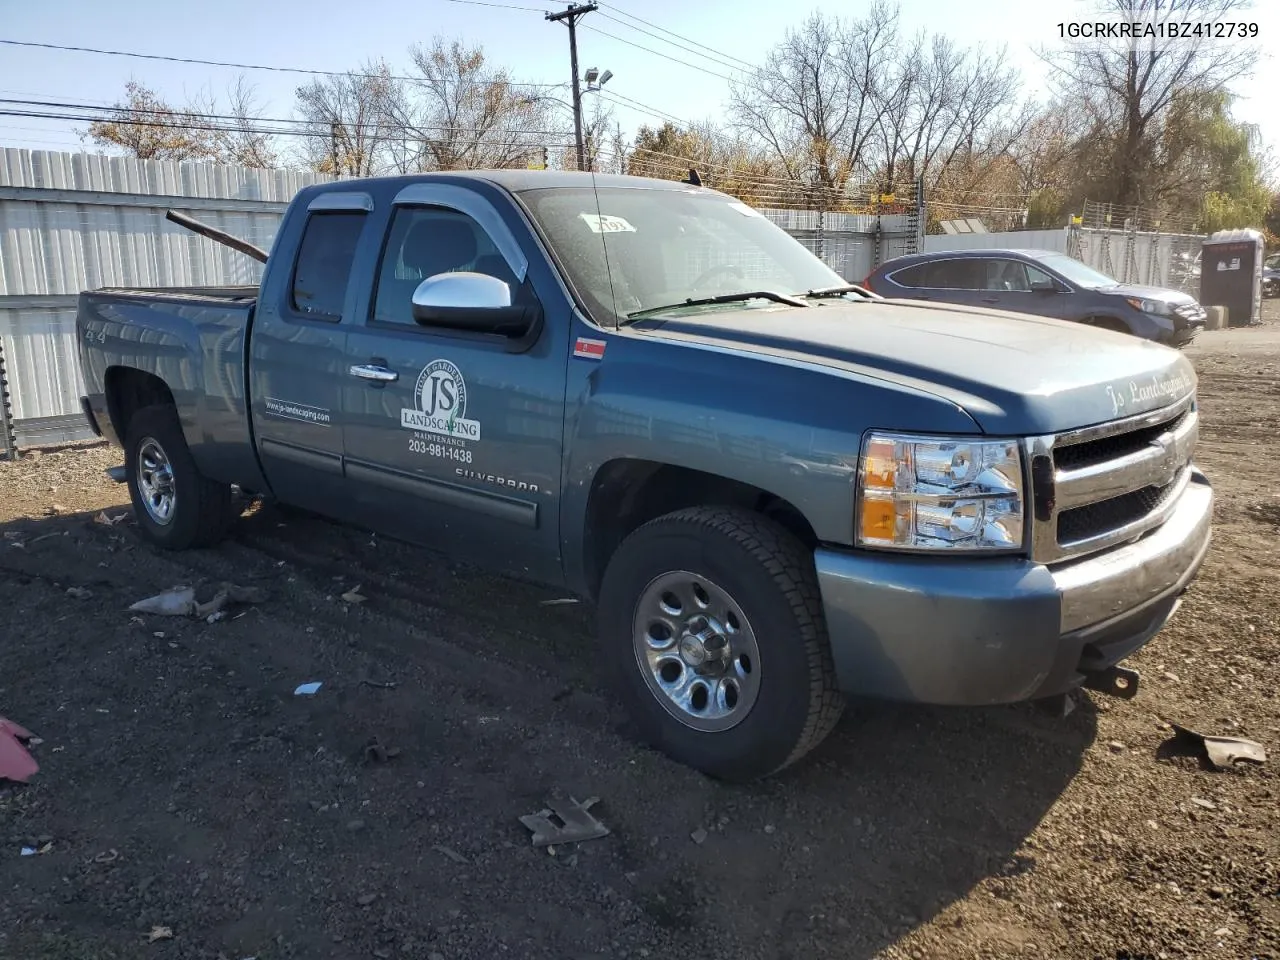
[(371, 371)]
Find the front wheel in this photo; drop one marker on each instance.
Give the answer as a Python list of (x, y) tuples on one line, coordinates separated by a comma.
[(712, 621), (175, 504)]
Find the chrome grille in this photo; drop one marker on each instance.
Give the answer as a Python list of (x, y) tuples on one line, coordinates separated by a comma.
[(1105, 485)]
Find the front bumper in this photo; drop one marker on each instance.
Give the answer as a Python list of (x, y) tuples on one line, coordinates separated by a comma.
[(999, 630)]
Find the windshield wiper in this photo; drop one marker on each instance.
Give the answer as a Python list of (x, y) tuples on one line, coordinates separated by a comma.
[(840, 291), (723, 298)]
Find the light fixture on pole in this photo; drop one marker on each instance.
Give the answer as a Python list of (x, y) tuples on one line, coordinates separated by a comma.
[(595, 79)]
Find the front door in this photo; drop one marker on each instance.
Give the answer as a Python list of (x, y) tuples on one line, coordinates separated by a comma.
[(452, 440), (1007, 285), (298, 354)]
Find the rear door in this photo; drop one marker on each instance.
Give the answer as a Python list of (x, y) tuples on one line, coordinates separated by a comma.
[(949, 280), (452, 440), (298, 351)]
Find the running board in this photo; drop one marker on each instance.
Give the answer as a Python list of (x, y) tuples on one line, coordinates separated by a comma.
[(117, 474)]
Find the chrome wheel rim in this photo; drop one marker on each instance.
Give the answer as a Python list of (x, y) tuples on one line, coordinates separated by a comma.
[(697, 651), (155, 482)]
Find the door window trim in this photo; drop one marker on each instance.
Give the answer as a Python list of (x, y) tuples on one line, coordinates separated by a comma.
[(469, 203), (349, 201)]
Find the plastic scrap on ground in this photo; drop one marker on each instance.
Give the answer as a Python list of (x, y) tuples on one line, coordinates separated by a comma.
[(307, 689), (15, 762), (574, 824), (1221, 753), (182, 602)]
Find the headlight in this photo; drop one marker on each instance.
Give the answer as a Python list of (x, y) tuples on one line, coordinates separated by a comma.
[(939, 493), (1158, 307)]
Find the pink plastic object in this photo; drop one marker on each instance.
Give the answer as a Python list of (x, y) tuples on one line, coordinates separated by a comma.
[(15, 762)]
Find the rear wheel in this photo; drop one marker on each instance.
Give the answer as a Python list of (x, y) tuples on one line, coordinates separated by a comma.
[(712, 621), (176, 506)]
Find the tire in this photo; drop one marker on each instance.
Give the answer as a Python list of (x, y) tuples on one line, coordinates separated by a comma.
[(764, 595), (198, 509)]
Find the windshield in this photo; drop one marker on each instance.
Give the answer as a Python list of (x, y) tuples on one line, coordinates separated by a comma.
[(1272, 262), (1077, 272), (641, 249)]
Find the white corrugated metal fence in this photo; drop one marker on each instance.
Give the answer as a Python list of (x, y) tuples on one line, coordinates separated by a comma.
[(73, 222)]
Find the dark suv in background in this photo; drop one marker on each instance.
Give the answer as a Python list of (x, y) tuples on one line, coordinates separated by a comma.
[(1042, 283)]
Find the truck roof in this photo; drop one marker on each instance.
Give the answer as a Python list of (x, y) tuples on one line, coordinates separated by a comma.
[(517, 180)]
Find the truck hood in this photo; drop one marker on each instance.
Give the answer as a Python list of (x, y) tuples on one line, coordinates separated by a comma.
[(1015, 375)]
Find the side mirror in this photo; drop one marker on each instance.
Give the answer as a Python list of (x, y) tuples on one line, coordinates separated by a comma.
[(1043, 286), (470, 302)]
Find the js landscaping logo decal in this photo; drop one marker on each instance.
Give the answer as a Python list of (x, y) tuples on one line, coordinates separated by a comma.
[(441, 394)]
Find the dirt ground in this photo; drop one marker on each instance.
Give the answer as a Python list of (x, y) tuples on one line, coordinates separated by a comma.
[(184, 786)]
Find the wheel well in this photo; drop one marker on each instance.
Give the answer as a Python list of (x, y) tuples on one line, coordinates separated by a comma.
[(626, 494), (1108, 323), (128, 390)]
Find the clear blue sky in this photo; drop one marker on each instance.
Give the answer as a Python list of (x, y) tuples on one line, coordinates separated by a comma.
[(333, 35)]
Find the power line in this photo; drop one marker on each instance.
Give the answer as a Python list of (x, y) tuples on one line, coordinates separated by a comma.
[(658, 53), (681, 46), (649, 23), (534, 141), (644, 108), (503, 6), (111, 115), (241, 66)]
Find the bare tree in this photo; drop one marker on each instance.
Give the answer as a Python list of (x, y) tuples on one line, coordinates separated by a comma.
[(820, 94), (848, 100), (145, 126), (354, 110), (241, 139), (465, 114), (1130, 91)]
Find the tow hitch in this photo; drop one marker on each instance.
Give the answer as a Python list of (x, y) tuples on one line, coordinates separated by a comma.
[(1114, 681)]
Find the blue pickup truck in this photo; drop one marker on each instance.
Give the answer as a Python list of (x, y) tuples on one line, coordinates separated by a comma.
[(777, 489)]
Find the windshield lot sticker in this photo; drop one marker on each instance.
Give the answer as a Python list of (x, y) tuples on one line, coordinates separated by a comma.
[(302, 412), (1157, 388), (441, 395), (601, 223)]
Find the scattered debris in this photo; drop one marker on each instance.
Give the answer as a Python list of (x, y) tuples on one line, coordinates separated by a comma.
[(572, 824), (1206, 804), (1116, 746), (79, 593), (698, 836), (160, 933), (562, 601), (182, 602), (1220, 753), (380, 684), (354, 595), (15, 762), (307, 689), (107, 521), (377, 752), (107, 856), (449, 852), (366, 898), (770, 828)]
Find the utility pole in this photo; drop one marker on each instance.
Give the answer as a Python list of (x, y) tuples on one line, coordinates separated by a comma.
[(570, 17)]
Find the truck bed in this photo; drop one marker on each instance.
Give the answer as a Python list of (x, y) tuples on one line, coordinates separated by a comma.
[(191, 338)]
